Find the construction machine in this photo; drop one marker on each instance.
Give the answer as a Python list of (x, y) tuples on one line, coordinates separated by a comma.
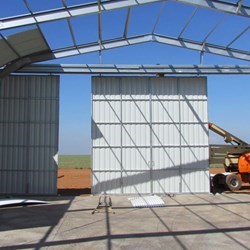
[(234, 157)]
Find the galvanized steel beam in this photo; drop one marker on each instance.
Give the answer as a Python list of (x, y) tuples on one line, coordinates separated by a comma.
[(106, 44), (224, 6), (179, 42), (204, 47), (92, 8), (134, 69)]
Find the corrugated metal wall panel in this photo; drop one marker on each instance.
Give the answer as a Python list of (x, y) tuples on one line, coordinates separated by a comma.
[(29, 118), (163, 89), (193, 111), (193, 88), (194, 157), (107, 159), (136, 182), (106, 135), (107, 88), (161, 132), (13, 180), (194, 134), (165, 134), (106, 182), (194, 181), (107, 111), (166, 181), (135, 111), (135, 135), (136, 159), (165, 111), (134, 88), (164, 158)]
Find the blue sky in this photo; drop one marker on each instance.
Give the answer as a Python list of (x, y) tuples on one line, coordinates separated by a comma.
[(228, 96)]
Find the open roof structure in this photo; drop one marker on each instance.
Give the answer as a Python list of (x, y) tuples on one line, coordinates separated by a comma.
[(35, 33)]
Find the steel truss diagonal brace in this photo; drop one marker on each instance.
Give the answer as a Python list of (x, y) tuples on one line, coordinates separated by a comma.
[(92, 8)]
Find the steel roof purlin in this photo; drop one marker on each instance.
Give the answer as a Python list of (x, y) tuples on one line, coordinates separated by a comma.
[(92, 8), (134, 69)]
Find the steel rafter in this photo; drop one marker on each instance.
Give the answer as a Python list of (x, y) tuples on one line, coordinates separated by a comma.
[(134, 69), (179, 42), (121, 42), (92, 8)]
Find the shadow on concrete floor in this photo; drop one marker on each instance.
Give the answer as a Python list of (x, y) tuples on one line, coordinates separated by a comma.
[(73, 191)]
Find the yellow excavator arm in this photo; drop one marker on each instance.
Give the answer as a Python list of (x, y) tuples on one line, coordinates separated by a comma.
[(228, 137)]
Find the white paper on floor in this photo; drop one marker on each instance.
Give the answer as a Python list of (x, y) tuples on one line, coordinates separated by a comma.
[(147, 201), (20, 202)]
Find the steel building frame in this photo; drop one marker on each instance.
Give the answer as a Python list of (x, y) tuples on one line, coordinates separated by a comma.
[(98, 7)]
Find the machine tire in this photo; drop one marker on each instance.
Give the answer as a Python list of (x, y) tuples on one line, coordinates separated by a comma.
[(233, 182), (219, 181)]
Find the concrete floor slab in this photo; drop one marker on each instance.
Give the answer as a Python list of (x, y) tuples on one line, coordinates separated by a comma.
[(199, 221)]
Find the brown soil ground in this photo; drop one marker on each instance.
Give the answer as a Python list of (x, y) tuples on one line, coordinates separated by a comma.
[(78, 181), (74, 181)]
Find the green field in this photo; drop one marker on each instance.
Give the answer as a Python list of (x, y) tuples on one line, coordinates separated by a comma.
[(84, 161), (217, 165), (74, 161)]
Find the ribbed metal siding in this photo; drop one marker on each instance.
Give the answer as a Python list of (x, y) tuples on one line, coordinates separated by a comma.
[(194, 130), (152, 133), (29, 118)]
